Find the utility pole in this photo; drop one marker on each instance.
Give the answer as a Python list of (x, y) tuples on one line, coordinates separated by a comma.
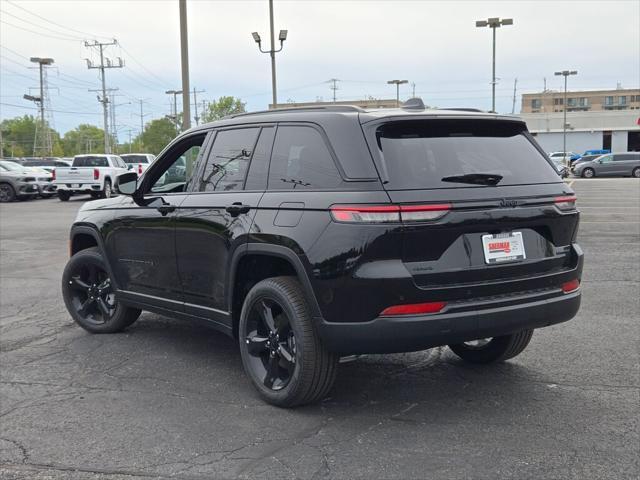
[(174, 115), (513, 105), (195, 103), (184, 55), (397, 83), (104, 64), (494, 23), (334, 87), (129, 131), (141, 101), (565, 74), (272, 52), (42, 141)]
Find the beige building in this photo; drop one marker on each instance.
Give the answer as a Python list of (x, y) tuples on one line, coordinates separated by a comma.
[(373, 103), (581, 101)]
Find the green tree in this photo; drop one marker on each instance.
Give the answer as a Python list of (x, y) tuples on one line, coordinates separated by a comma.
[(18, 135), (222, 107), (157, 134), (84, 138)]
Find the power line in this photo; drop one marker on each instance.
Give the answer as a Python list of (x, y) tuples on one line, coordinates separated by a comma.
[(56, 111), (38, 33), (39, 26), (163, 83)]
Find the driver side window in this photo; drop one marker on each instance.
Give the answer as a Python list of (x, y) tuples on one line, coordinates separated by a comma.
[(179, 172)]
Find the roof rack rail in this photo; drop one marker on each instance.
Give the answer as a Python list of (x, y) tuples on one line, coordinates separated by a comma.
[(326, 108), (459, 109)]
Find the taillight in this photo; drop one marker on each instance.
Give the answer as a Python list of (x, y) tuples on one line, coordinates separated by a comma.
[(571, 286), (388, 213), (565, 203), (139, 169), (414, 309), (96, 174), (53, 174)]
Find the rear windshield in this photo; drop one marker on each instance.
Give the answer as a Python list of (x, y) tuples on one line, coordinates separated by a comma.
[(90, 162), (39, 163), (420, 154), (134, 158)]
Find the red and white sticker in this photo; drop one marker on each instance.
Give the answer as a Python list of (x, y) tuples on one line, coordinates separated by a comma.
[(503, 247)]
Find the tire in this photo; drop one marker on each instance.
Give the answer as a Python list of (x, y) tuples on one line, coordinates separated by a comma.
[(636, 172), (107, 192), (497, 349), (292, 368), (7, 193), (588, 173), (96, 194), (63, 195), (46, 195), (88, 295)]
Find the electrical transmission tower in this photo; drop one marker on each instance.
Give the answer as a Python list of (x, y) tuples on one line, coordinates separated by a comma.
[(141, 101), (334, 87), (195, 103), (105, 63), (42, 143)]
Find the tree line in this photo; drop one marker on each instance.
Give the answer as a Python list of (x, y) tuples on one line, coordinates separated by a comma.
[(18, 133)]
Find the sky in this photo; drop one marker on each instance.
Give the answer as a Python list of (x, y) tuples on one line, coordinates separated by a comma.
[(433, 44)]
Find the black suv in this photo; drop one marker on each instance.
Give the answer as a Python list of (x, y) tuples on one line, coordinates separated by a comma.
[(315, 233)]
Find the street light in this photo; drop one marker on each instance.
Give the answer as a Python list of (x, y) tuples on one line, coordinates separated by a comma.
[(272, 51), (494, 23), (565, 74), (397, 83)]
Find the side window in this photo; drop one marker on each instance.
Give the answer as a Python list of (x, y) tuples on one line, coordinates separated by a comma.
[(301, 159), (259, 168), (228, 161), (178, 173), (606, 158)]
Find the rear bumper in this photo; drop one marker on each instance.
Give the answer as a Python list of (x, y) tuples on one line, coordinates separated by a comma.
[(413, 333), (82, 187)]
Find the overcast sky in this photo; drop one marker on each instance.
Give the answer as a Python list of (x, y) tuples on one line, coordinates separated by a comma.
[(434, 44)]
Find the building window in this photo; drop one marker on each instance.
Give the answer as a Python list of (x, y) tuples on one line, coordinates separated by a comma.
[(608, 101), (536, 103), (583, 101), (622, 100), (558, 101), (572, 102)]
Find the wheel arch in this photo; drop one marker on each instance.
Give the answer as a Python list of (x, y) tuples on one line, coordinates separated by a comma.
[(86, 236), (256, 262)]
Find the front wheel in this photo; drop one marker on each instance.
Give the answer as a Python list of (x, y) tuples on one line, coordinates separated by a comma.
[(7, 193), (588, 173), (496, 349), (280, 349), (89, 295)]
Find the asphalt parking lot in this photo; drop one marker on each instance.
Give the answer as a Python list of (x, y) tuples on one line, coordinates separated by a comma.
[(168, 399)]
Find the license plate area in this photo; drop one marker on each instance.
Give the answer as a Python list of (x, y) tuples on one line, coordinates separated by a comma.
[(75, 185), (503, 247)]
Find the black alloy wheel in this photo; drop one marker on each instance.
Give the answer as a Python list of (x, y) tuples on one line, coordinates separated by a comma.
[(271, 344), (90, 296), (7, 193)]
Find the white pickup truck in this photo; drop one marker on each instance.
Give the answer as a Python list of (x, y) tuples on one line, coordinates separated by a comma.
[(95, 174)]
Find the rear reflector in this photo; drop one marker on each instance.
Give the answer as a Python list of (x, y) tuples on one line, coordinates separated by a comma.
[(565, 203), (388, 213), (571, 286), (414, 309)]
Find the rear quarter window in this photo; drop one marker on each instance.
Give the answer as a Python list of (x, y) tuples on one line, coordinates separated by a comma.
[(419, 154)]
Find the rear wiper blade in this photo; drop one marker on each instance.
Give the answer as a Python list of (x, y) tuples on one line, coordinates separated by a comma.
[(475, 178)]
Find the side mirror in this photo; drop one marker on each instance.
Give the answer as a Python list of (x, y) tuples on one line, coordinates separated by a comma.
[(127, 183)]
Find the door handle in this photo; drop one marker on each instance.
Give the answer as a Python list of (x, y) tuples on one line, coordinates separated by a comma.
[(237, 208), (164, 209)]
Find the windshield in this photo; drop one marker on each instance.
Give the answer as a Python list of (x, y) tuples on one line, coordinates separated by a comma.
[(90, 161), (134, 158), (15, 167), (420, 154)]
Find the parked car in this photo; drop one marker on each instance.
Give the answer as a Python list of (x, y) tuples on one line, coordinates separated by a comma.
[(600, 151), (610, 165), (138, 162), (560, 167), (584, 158), (313, 233), (46, 163), (16, 183), (93, 174), (564, 157)]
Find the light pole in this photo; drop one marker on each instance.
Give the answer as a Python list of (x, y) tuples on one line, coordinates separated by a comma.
[(397, 83), (494, 23), (565, 74), (272, 51), (175, 93)]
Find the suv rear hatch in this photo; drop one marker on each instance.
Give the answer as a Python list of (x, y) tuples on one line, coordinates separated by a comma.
[(484, 212)]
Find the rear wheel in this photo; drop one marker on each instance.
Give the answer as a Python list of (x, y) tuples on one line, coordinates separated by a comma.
[(636, 172), (89, 295), (281, 351), (496, 349), (63, 195), (588, 173), (108, 191), (7, 193)]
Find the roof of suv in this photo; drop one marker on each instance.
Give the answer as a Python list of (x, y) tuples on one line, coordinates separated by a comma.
[(323, 114)]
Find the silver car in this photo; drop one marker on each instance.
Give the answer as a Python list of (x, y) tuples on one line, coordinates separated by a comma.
[(610, 165), (16, 183)]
